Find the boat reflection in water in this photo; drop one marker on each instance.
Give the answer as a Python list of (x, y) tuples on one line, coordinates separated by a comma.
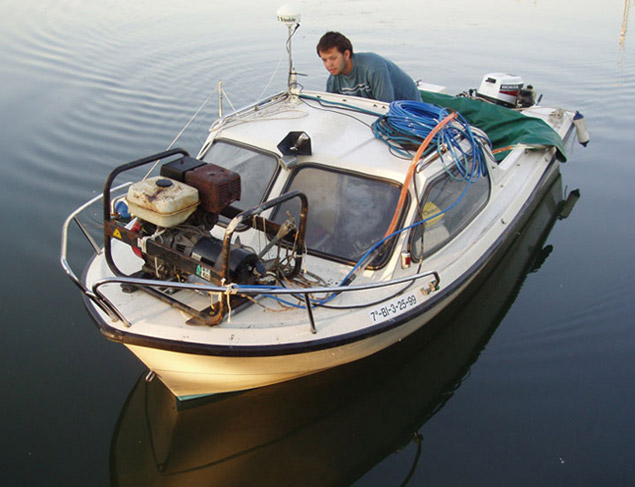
[(329, 428)]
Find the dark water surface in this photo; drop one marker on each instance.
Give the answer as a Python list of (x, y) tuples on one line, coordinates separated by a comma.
[(531, 381)]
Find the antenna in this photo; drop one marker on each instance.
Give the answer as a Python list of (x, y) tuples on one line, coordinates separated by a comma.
[(289, 15)]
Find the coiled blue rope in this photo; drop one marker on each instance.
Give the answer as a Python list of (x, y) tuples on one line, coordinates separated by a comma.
[(408, 123)]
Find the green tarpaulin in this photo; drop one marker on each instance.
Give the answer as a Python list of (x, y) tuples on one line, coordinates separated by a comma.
[(503, 126)]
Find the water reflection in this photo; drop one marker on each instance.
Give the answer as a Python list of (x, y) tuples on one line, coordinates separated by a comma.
[(624, 27), (331, 428)]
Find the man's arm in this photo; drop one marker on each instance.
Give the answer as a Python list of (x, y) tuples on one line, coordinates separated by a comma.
[(381, 83)]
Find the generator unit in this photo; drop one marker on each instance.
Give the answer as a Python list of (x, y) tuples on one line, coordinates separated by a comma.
[(175, 212)]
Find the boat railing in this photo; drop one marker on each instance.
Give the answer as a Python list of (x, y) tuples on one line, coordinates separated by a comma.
[(74, 218), (232, 289), (306, 295)]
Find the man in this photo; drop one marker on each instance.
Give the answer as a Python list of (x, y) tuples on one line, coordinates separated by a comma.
[(364, 74)]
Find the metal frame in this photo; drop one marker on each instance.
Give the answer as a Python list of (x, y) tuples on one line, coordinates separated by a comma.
[(96, 295)]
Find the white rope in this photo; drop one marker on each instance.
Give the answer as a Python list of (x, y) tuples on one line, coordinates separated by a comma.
[(275, 71), (178, 136), (230, 289), (230, 102)]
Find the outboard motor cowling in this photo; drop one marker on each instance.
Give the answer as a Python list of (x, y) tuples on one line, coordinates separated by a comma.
[(501, 88)]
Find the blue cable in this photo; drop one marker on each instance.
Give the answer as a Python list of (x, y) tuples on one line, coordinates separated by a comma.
[(366, 255), (409, 123)]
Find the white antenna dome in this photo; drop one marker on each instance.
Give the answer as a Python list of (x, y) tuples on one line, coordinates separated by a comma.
[(289, 14)]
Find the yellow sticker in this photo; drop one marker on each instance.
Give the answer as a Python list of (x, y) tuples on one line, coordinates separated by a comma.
[(431, 210), (116, 234)]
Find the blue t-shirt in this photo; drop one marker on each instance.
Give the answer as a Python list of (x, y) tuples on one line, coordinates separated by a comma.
[(374, 77)]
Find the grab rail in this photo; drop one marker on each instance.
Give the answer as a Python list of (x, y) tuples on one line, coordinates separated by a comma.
[(101, 300), (257, 290), (65, 228), (107, 192)]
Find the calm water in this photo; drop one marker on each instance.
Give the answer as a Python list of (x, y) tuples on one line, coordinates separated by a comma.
[(531, 382)]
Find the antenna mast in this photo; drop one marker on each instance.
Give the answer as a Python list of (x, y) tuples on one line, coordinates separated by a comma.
[(289, 15)]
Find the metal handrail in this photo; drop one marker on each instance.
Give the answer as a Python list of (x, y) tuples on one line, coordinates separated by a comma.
[(233, 288), (107, 192), (255, 290), (97, 296), (65, 228)]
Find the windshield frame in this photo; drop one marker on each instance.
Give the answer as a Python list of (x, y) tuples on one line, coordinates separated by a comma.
[(415, 234), (381, 259)]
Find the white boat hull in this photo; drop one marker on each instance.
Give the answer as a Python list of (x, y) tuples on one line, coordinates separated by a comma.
[(192, 374), (188, 374), (256, 345)]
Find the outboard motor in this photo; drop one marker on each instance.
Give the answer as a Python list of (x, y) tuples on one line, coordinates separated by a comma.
[(503, 89)]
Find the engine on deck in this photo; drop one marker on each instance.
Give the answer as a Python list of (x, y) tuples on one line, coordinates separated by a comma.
[(175, 213)]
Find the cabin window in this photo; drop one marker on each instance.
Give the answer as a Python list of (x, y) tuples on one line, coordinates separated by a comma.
[(256, 170), (443, 220), (348, 213)]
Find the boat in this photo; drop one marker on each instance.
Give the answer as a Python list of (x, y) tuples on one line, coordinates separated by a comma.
[(338, 424), (312, 229)]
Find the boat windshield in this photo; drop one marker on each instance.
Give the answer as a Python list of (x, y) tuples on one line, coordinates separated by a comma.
[(256, 170), (447, 192), (348, 213)]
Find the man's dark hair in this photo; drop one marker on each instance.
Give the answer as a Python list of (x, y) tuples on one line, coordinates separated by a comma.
[(334, 39)]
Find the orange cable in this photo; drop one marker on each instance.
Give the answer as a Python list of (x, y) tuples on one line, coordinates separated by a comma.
[(411, 170), (502, 149)]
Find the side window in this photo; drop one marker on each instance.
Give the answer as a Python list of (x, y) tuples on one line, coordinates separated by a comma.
[(348, 213), (256, 170), (446, 209)]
